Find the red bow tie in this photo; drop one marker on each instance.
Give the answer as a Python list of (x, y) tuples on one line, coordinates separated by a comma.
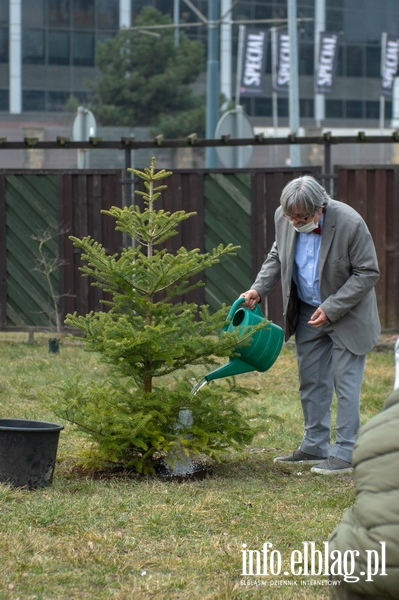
[(317, 230)]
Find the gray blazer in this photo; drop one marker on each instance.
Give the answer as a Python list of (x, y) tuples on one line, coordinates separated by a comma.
[(348, 273)]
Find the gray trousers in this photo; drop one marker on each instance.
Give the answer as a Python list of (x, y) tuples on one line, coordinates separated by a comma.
[(326, 365)]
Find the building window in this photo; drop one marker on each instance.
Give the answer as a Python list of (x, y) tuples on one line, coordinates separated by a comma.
[(4, 95), (334, 20), (33, 13), (103, 37), (282, 107), (373, 61), (33, 46), (263, 12), (354, 61), (263, 107), (372, 109), (374, 24), (83, 14), (58, 13), (33, 100), (354, 109), (340, 61), (4, 4), (138, 5), (243, 11), (57, 101), (82, 97), (355, 23), (83, 49), (107, 14), (306, 59), (3, 44), (334, 109), (306, 28), (306, 108), (247, 104), (58, 47), (165, 6)]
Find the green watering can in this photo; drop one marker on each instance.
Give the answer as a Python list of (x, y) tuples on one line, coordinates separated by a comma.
[(262, 349)]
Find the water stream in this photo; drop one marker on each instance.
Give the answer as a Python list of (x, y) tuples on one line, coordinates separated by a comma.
[(200, 384)]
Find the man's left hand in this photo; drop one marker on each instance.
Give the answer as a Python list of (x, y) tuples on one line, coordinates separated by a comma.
[(319, 318)]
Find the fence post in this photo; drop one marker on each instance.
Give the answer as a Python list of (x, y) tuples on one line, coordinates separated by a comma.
[(128, 175)]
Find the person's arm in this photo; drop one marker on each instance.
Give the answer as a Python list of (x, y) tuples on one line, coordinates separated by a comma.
[(319, 318), (266, 279), (252, 298), (364, 274)]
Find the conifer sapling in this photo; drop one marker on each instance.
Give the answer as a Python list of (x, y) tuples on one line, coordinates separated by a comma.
[(145, 337)]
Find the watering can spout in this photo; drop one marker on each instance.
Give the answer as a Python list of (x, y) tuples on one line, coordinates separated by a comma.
[(234, 367), (262, 350)]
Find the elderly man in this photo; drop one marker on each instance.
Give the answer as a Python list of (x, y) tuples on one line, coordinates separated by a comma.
[(325, 257)]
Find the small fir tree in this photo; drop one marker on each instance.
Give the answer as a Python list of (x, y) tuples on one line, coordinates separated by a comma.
[(144, 338)]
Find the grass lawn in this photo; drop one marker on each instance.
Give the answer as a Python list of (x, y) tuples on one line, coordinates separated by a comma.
[(131, 538)]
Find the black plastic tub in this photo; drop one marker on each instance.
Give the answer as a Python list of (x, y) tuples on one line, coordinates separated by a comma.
[(28, 450)]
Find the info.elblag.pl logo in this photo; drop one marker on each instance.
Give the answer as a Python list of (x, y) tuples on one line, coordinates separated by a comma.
[(309, 561)]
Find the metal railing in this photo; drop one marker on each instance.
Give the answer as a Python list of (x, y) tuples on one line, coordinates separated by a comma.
[(327, 140)]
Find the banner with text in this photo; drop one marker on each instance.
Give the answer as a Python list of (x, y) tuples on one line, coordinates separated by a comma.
[(389, 64), (327, 63), (254, 62), (281, 54)]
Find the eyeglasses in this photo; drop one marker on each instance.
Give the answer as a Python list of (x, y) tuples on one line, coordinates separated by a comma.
[(299, 218)]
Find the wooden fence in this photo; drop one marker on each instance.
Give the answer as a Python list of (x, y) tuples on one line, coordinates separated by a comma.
[(374, 192), (31, 202), (231, 206)]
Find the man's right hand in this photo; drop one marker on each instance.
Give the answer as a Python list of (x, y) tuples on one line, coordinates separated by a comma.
[(251, 299)]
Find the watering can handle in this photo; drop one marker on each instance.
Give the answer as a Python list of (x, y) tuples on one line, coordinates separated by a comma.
[(237, 303)]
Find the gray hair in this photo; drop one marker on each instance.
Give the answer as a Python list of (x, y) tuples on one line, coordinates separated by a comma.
[(303, 196)]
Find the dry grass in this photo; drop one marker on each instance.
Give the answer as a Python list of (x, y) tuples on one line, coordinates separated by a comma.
[(130, 538)]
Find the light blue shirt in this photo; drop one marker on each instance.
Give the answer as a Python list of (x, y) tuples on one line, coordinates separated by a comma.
[(306, 266)]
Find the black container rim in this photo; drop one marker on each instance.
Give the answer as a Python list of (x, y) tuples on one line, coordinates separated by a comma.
[(23, 425)]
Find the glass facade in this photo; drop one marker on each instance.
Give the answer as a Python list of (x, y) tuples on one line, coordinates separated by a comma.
[(57, 33), (64, 34), (361, 23)]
